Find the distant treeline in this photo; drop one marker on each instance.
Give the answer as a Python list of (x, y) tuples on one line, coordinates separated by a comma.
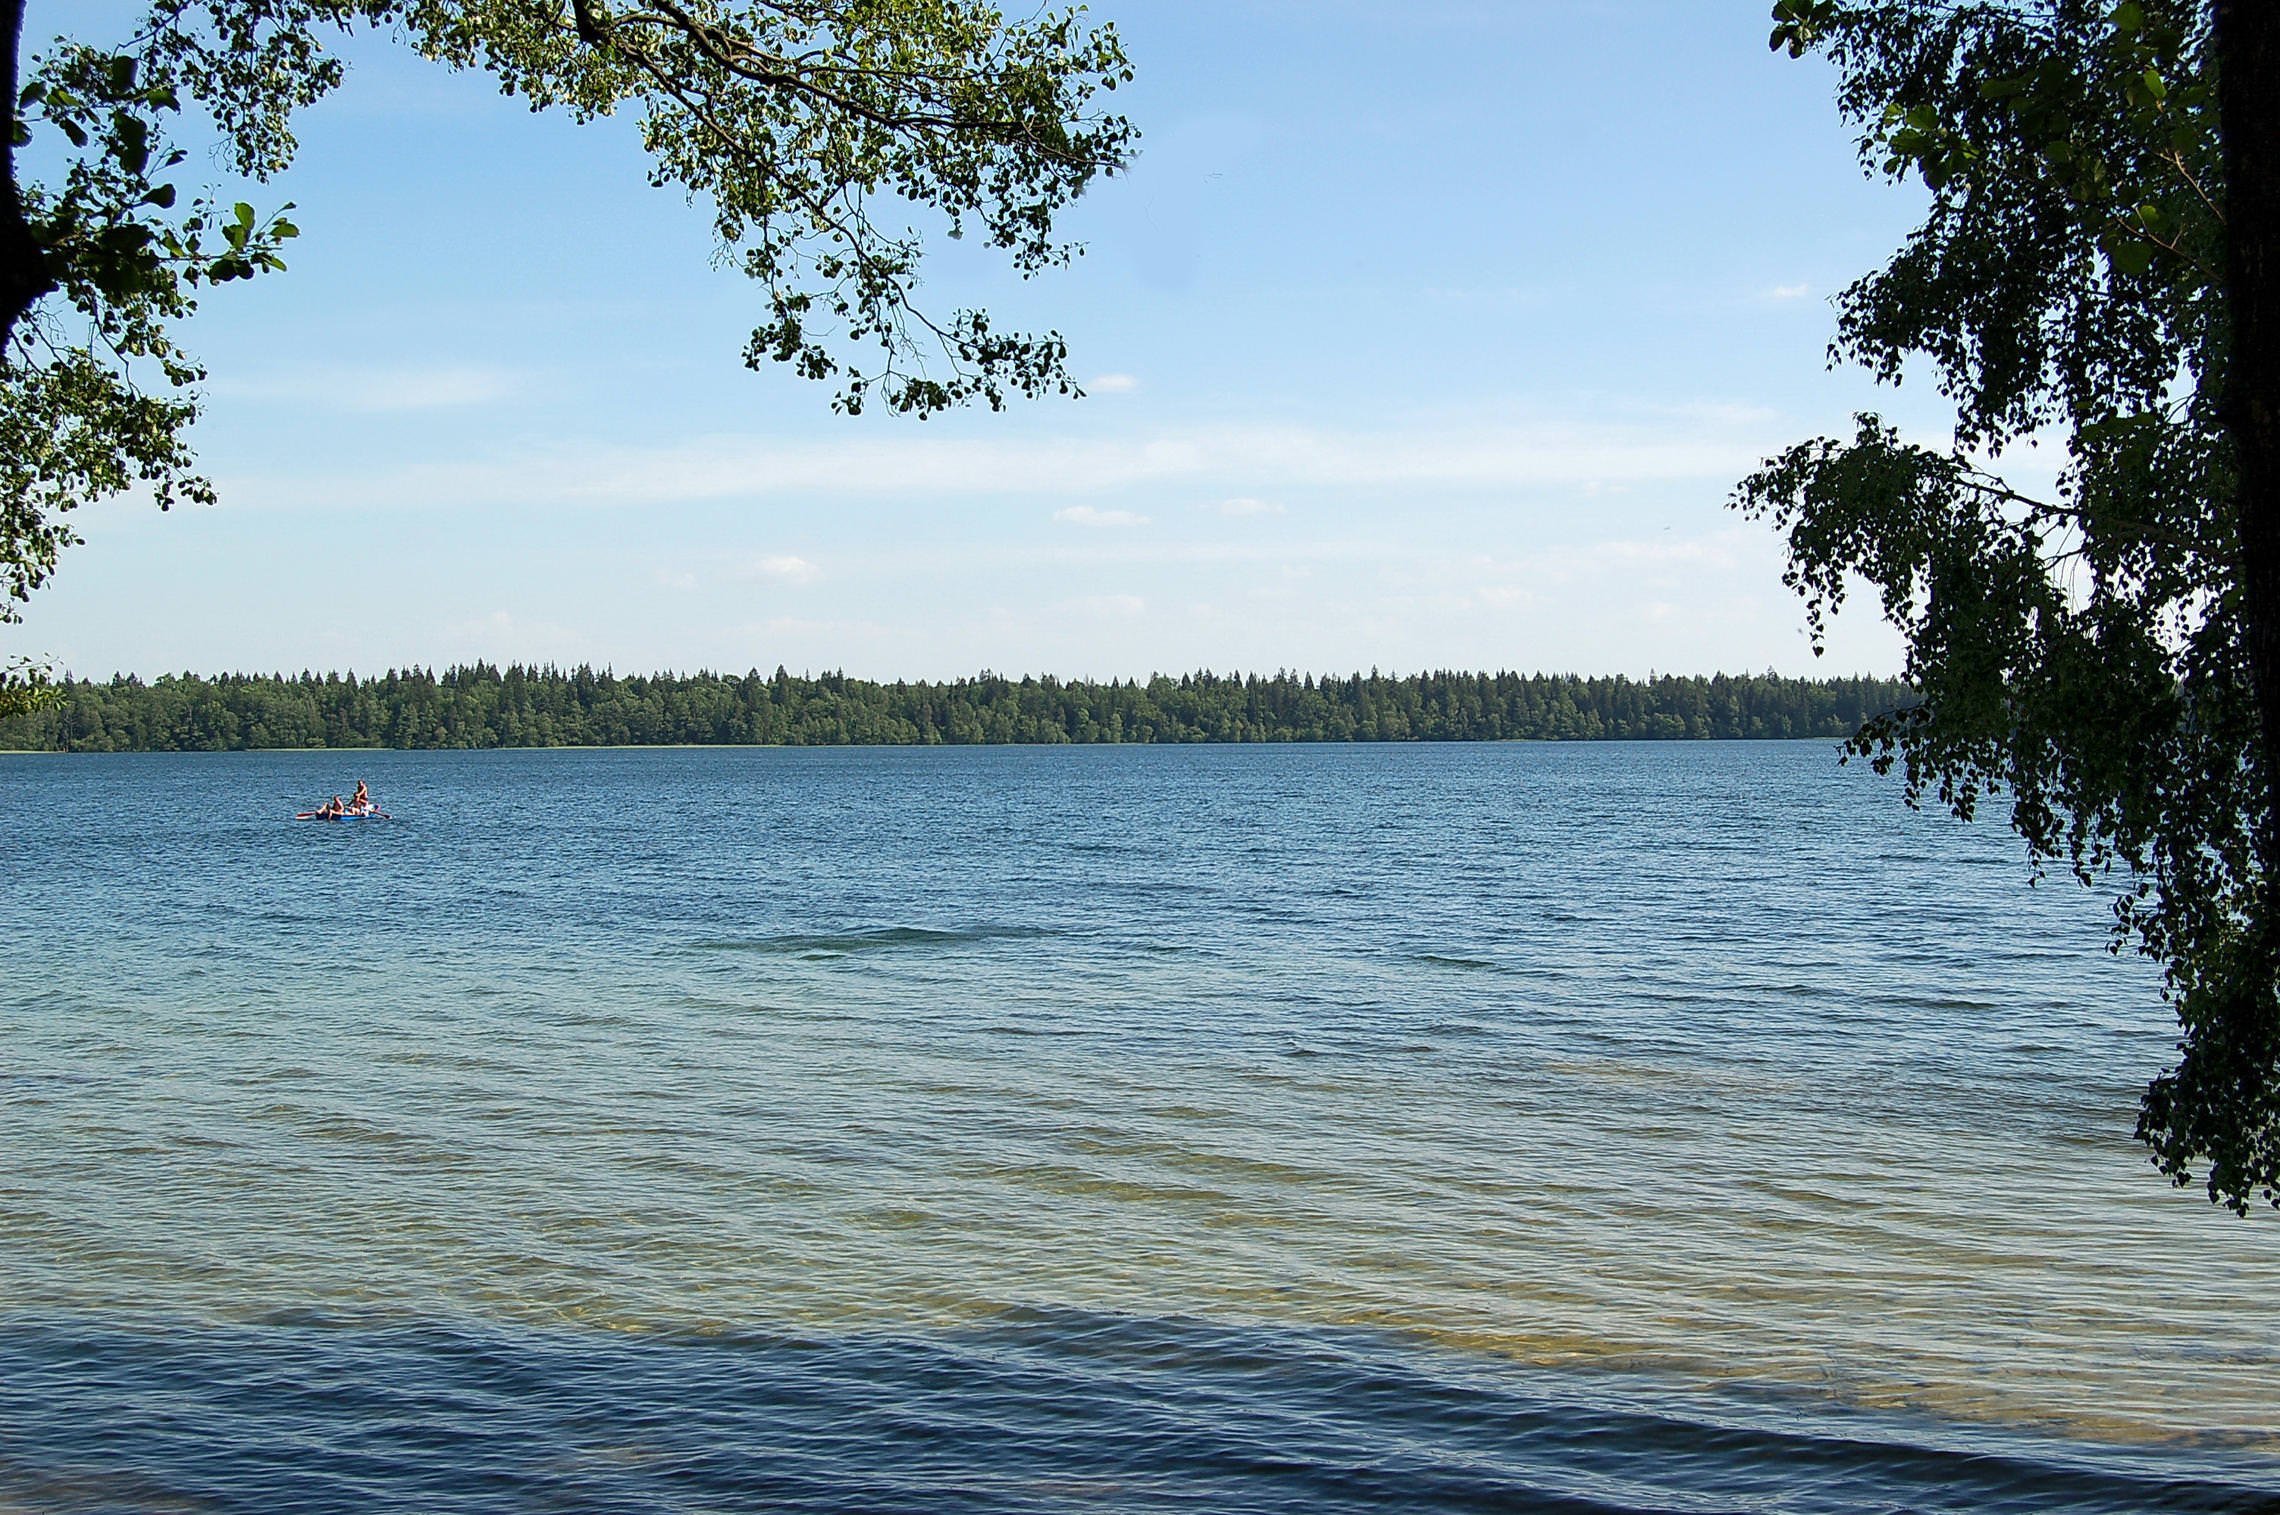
[(484, 706)]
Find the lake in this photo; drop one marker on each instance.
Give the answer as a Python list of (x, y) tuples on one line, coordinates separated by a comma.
[(1673, 1127)]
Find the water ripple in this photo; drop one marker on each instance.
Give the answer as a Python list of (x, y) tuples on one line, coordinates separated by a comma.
[(1671, 1128), (1038, 1410)]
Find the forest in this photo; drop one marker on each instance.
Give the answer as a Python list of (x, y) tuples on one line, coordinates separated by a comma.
[(481, 705)]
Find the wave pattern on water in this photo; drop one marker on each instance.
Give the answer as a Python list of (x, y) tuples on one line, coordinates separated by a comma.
[(1046, 1411), (1678, 1128), (840, 944)]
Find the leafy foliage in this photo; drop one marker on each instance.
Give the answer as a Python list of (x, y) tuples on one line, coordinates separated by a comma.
[(24, 688), (2082, 653), (77, 421), (811, 128), (483, 706)]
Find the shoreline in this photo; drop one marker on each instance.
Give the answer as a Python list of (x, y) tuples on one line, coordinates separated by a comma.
[(1513, 741)]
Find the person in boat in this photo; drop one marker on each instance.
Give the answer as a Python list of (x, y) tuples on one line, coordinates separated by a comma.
[(361, 803), (332, 809)]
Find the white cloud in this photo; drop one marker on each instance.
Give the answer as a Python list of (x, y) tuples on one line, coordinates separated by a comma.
[(1789, 291), (1728, 414), (1256, 461), (1506, 596), (1248, 505), (1087, 515), (502, 637), (1667, 559), (1487, 294), (802, 625), (1112, 384), (781, 567)]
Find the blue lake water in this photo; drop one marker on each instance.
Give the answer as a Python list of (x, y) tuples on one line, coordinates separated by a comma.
[(1570, 1128)]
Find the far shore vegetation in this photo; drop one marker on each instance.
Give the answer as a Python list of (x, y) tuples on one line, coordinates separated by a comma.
[(481, 705)]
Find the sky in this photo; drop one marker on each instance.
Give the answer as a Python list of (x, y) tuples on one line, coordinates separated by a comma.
[(1429, 335)]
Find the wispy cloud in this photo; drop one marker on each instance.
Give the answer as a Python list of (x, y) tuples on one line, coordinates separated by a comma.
[(1789, 291), (1488, 294), (1257, 461), (1112, 384), (502, 636), (1087, 515), (803, 625), (783, 568)]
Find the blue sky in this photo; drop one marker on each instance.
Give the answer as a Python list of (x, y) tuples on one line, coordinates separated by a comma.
[(1429, 335)]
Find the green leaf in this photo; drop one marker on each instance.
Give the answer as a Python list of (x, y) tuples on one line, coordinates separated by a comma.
[(134, 142), (2129, 255), (2109, 704), (125, 239)]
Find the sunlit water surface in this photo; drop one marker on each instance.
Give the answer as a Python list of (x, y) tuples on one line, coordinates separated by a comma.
[(1669, 1127)]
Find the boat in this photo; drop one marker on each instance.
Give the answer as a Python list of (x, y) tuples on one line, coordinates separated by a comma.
[(368, 815)]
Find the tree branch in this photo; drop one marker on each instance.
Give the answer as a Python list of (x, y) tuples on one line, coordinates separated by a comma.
[(25, 275)]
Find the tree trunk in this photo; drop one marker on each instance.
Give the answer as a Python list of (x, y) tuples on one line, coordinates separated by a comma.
[(24, 274), (2248, 94)]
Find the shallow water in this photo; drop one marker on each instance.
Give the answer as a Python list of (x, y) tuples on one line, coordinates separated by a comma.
[(1537, 1127)]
